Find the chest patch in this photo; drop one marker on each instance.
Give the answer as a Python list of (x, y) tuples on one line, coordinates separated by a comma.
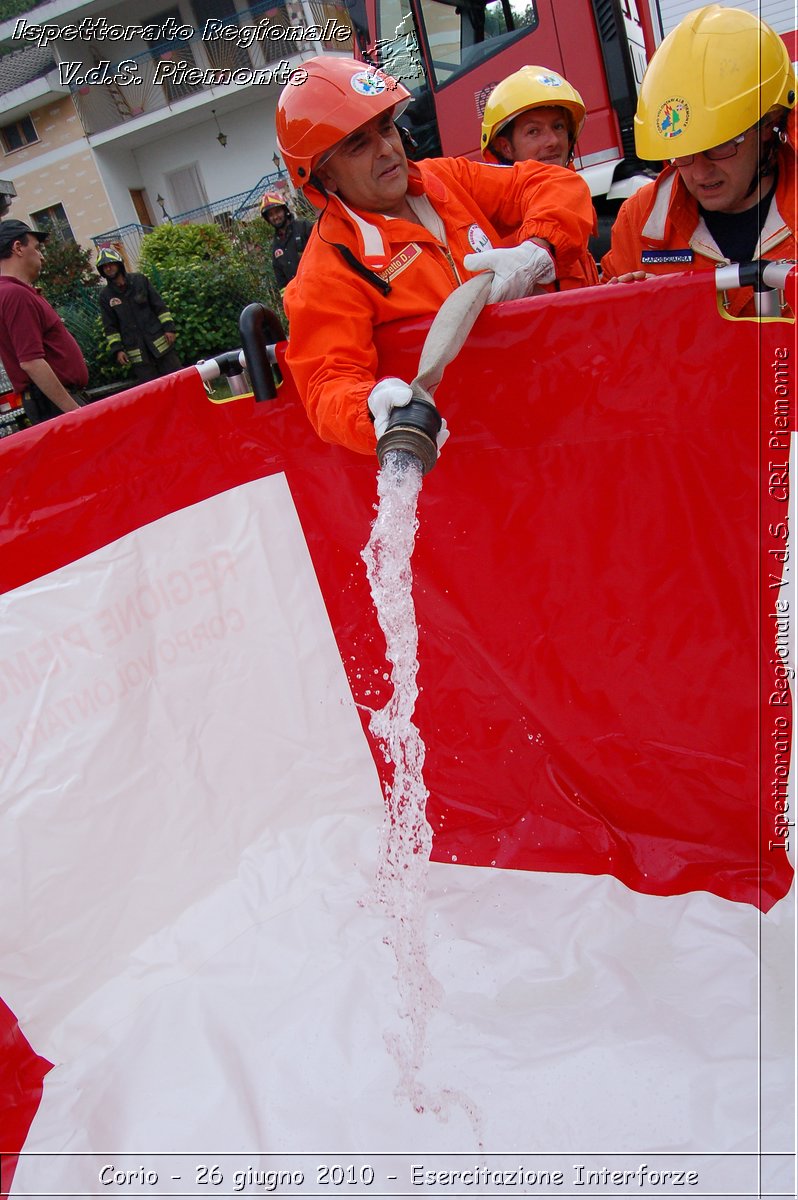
[(478, 240), (113, 303), (401, 261), (654, 257), (278, 253)]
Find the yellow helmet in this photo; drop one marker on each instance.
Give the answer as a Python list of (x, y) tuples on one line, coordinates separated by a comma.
[(531, 87), (714, 76)]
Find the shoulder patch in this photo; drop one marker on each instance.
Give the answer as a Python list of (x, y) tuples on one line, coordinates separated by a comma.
[(478, 240)]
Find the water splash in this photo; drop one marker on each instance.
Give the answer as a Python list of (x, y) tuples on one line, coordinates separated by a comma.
[(406, 837)]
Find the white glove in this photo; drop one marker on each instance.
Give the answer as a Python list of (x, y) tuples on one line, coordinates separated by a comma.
[(516, 270), (385, 396), (393, 393)]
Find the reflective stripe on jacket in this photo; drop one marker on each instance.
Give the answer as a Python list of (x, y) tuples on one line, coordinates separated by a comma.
[(135, 319), (333, 312), (663, 217)]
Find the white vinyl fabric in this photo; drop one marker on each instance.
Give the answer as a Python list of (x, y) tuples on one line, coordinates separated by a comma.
[(191, 817)]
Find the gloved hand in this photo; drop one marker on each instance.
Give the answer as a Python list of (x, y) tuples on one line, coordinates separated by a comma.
[(516, 270), (385, 396), (393, 393)]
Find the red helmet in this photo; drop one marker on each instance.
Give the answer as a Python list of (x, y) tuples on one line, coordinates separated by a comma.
[(325, 100), (271, 200)]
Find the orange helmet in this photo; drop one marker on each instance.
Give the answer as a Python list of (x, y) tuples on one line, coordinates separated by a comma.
[(271, 200), (325, 100)]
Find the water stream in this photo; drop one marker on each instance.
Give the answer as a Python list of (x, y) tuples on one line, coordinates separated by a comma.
[(406, 838)]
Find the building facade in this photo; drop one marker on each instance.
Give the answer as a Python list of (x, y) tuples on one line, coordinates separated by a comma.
[(116, 117)]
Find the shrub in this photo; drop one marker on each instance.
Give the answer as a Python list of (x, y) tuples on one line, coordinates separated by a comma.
[(14, 8), (67, 270), (177, 245), (253, 237), (71, 284), (80, 312), (206, 299)]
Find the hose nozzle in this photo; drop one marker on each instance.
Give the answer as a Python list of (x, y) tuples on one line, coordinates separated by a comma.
[(413, 428)]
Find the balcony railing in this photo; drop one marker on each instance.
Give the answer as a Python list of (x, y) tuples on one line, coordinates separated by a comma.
[(243, 206), (127, 240), (164, 75)]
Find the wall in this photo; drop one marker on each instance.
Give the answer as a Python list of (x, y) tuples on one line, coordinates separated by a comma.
[(59, 169), (224, 171)]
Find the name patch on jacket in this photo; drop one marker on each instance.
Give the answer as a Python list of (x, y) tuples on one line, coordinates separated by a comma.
[(401, 262), (666, 256)]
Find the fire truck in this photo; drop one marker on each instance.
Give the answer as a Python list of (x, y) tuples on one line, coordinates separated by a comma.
[(452, 53)]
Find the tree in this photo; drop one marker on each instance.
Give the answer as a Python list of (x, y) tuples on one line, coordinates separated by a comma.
[(67, 270)]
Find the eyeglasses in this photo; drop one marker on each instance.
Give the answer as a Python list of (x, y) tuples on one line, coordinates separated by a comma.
[(714, 153)]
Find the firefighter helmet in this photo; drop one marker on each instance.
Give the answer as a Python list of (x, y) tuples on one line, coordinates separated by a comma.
[(715, 76), (531, 87), (325, 100), (106, 257), (271, 200)]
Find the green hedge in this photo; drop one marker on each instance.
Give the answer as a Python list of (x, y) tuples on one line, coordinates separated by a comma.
[(207, 276), (14, 8), (177, 245)]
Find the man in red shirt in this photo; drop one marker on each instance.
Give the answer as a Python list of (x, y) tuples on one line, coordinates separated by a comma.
[(43, 360)]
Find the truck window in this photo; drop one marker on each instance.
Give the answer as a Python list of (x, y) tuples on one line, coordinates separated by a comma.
[(396, 49), (466, 32)]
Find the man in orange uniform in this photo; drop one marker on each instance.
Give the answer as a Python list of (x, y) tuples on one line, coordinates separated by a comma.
[(395, 239), (536, 114), (714, 100)]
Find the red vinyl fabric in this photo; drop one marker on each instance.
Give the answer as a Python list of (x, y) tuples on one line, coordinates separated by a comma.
[(593, 564), (600, 572)]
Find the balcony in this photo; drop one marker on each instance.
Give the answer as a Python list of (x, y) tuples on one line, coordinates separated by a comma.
[(29, 79), (250, 50)]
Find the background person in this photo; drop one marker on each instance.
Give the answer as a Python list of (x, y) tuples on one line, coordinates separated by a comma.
[(42, 359), (394, 238), (139, 329), (535, 114), (291, 236), (715, 101)]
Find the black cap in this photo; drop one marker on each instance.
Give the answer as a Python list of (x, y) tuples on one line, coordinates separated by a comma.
[(12, 231)]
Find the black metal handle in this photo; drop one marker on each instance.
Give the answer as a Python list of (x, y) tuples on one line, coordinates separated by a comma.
[(257, 326)]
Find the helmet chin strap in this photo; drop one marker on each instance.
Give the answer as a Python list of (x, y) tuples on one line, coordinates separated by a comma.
[(349, 258), (768, 158), (315, 182)]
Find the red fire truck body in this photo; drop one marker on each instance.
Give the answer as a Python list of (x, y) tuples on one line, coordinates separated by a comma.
[(452, 53)]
